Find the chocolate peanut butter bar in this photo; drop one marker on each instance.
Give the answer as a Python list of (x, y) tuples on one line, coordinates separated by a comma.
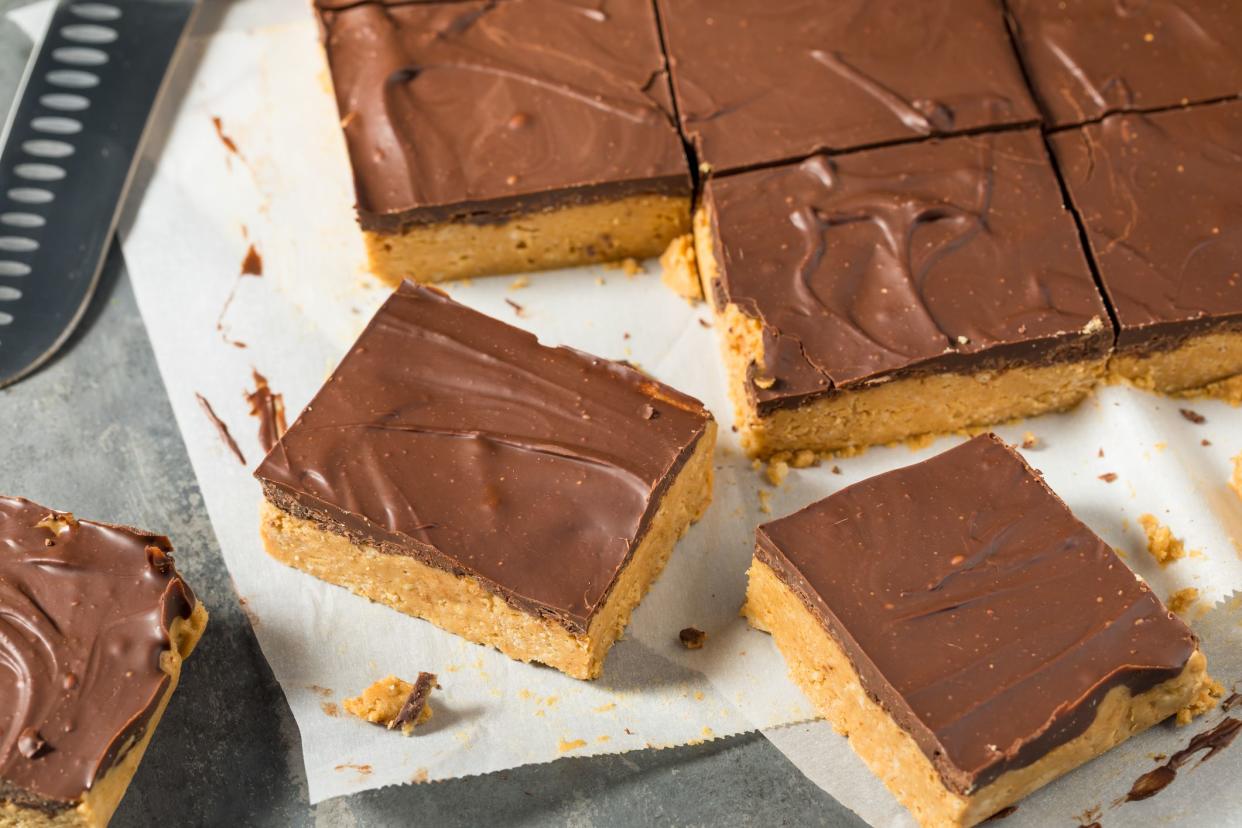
[(95, 622), (518, 495), (1160, 197), (762, 81), (1089, 58), (972, 638), (879, 295), (492, 137)]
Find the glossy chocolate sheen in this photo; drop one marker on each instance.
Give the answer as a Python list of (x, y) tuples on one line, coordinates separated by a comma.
[(1161, 199), (85, 610), (760, 81), (459, 440), (984, 618), (1087, 58), (950, 255), (483, 110)]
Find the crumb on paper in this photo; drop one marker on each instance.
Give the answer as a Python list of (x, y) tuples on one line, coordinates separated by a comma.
[(420, 776), (1192, 415), (318, 690), (764, 505), (519, 283), (365, 770), (1205, 442), (1210, 694), (395, 703), (836, 469), (804, 459), (330, 709), (604, 708), (517, 309), (1029, 440), (1182, 600), (604, 738), (1108, 477), (599, 280), (692, 638), (1161, 542), (776, 472), (1160, 446), (680, 271), (1235, 480), (566, 745)]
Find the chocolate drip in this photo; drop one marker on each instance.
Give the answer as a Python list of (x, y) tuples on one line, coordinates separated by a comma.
[(1213, 741)]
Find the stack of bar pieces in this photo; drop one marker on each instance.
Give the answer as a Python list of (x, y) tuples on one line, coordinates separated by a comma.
[(95, 622), (971, 637), (518, 495)]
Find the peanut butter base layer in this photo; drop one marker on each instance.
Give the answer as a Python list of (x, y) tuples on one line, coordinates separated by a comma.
[(1192, 368), (461, 605), (883, 413), (638, 227), (821, 668), (99, 803)]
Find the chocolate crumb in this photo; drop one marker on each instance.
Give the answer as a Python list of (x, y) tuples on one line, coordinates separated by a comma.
[(692, 638), (705, 323), (1205, 442), (1194, 416), (836, 469), (518, 309), (412, 711), (1108, 477), (30, 744), (252, 264)]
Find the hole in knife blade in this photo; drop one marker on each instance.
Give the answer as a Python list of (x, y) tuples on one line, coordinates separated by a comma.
[(96, 11), (5, 319), (72, 78), (31, 195), (18, 244), (44, 148), (57, 125), (9, 294), (14, 269), (28, 220), (88, 33), (65, 101), (39, 172), (80, 56)]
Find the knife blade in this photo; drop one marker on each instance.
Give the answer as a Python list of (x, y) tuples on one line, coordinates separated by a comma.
[(68, 156)]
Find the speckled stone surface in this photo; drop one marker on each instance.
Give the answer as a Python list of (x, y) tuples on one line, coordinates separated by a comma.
[(93, 433)]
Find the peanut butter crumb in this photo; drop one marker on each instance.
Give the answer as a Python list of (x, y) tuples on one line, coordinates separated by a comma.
[(565, 746), (1210, 694), (764, 505), (804, 459), (1029, 440), (1182, 600), (1161, 542), (519, 283), (393, 703), (1235, 480), (776, 472)]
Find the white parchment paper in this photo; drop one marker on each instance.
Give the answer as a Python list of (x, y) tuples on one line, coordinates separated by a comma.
[(253, 74)]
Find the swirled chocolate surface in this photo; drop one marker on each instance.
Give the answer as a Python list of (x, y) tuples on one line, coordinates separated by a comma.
[(482, 110), (84, 615), (982, 616), (759, 81), (950, 255), (1161, 200), (452, 437), (1087, 58)]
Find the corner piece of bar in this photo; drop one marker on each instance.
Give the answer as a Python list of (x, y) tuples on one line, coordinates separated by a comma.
[(494, 137), (971, 636), (890, 293), (1161, 201), (521, 496), (95, 622)]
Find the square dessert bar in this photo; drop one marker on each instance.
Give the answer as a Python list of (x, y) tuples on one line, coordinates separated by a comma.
[(493, 137), (520, 496), (880, 295), (970, 636), (762, 81), (1088, 58), (95, 622), (1160, 197)]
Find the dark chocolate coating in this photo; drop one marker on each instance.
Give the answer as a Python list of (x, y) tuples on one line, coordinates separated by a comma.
[(459, 440), (984, 618), (482, 110), (1161, 199), (949, 255), (1087, 58), (760, 81), (84, 619)]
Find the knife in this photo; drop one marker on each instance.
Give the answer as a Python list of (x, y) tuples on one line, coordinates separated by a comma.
[(69, 150)]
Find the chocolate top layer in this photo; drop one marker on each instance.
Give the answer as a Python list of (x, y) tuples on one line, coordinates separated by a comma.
[(84, 615), (460, 440), (1087, 58), (1161, 199), (759, 81), (982, 616), (947, 255), (481, 110)]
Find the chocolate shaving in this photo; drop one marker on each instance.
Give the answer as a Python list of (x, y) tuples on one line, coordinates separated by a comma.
[(413, 708), (269, 408), (692, 638), (30, 744), (221, 429), (1194, 416)]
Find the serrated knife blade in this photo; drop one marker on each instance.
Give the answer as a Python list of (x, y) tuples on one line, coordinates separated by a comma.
[(69, 150)]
